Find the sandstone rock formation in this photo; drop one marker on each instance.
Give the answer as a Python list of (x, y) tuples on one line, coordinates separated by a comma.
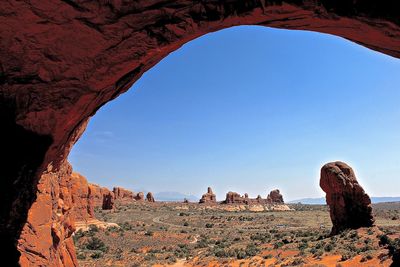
[(82, 198), (235, 198), (275, 197), (68, 58), (122, 195), (45, 237), (150, 197), (209, 197), (108, 201), (349, 205), (97, 194), (139, 196)]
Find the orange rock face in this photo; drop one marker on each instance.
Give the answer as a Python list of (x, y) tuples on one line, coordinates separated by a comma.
[(122, 193), (349, 205), (123, 196), (68, 58), (209, 197), (46, 236), (101, 197), (82, 198)]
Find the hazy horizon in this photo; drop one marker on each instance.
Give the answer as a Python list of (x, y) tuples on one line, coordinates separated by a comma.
[(250, 109)]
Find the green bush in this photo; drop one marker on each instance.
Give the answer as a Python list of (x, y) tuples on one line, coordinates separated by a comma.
[(329, 247), (278, 244), (303, 246), (126, 226), (95, 243), (93, 229), (96, 255), (252, 250)]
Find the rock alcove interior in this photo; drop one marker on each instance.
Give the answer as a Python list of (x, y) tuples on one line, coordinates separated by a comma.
[(69, 58)]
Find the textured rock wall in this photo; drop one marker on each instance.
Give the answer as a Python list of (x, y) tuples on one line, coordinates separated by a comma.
[(62, 60), (45, 237)]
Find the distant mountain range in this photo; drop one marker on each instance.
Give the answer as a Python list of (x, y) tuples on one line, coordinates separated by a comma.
[(322, 201), (174, 196)]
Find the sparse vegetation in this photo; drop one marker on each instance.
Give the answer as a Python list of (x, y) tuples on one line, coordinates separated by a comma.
[(162, 234)]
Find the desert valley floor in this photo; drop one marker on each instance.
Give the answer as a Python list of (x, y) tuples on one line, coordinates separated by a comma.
[(191, 234)]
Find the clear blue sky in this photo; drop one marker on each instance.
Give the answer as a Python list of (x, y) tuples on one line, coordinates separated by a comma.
[(251, 109)]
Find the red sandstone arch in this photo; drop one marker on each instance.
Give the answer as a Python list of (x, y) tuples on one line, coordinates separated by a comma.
[(62, 60)]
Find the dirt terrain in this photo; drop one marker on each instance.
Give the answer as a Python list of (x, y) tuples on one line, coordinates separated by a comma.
[(177, 234)]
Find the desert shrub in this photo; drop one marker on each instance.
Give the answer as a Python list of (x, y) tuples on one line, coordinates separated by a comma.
[(81, 256), (240, 254), (318, 253), (209, 225), (252, 250), (95, 243), (296, 262), (344, 234), (113, 229), (171, 259), (384, 240), (278, 244), (351, 247), (203, 243), (329, 247), (264, 238), (302, 246), (319, 245), (182, 251), (126, 226), (393, 246), (185, 224), (154, 250), (78, 235), (366, 258), (149, 257), (96, 255), (346, 256), (220, 252), (365, 248), (354, 235), (149, 233), (93, 229)]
